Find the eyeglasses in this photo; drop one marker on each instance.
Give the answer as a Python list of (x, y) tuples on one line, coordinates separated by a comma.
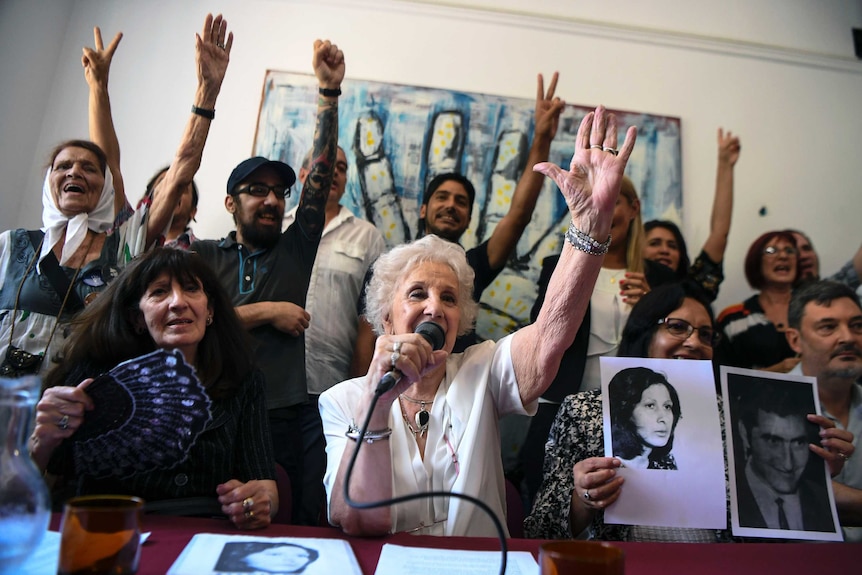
[(772, 250), (262, 190), (681, 329)]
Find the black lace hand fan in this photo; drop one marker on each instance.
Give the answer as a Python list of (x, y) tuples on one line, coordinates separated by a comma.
[(148, 412)]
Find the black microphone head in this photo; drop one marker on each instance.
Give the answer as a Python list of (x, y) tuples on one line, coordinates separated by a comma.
[(433, 333)]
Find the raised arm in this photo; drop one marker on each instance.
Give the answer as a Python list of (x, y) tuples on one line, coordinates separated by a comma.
[(508, 231), (590, 187), (97, 65), (212, 54), (722, 203), (328, 62)]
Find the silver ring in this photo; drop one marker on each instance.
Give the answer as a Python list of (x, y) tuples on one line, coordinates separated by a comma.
[(63, 423), (614, 151), (396, 347), (843, 456), (220, 45), (587, 495), (597, 147), (247, 503), (393, 359)]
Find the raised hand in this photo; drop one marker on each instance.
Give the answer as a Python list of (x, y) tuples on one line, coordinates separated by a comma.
[(97, 62), (212, 52), (328, 64), (548, 108), (592, 184), (728, 148)]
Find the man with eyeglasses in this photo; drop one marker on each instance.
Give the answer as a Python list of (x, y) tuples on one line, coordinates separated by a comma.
[(266, 272), (826, 330)]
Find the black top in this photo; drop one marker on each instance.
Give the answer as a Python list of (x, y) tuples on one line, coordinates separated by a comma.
[(235, 445)]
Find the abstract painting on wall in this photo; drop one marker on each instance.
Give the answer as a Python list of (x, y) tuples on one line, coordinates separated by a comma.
[(397, 138)]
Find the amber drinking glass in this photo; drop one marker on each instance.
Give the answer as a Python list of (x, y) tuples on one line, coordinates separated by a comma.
[(580, 558), (101, 535)]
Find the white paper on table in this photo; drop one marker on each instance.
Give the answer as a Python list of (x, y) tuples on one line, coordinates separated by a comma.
[(400, 560), (46, 557), (693, 495), (211, 554), (738, 386)]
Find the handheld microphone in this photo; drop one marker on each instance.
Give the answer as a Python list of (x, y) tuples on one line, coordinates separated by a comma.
[(433, 334)]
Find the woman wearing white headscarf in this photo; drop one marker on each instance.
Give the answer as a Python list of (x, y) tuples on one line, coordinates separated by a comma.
[(48, 274), (88, 231)]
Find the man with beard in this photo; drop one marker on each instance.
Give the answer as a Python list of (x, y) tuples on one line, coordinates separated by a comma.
[(825, 321), (266, 272)]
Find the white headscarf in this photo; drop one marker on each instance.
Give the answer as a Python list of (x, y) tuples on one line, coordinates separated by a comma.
[(54, 222)]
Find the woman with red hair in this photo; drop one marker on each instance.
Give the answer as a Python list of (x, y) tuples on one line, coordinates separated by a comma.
[(753, 331)]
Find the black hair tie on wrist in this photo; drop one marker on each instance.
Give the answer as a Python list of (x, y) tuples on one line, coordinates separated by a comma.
[(209, 114), (329, 93)]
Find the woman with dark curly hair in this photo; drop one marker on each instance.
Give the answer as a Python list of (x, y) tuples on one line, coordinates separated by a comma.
[(644, 413), (166, 299)]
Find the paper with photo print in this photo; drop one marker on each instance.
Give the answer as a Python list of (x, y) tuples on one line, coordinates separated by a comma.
[(213, 554), (768, 457), (686, 487)]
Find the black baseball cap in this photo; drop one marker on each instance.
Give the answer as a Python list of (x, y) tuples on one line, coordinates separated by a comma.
[(247, 167)]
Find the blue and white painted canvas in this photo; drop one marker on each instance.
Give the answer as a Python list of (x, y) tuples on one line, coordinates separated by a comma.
[(398, 137)]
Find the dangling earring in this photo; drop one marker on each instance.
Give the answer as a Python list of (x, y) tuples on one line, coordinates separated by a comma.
[(209, 320)]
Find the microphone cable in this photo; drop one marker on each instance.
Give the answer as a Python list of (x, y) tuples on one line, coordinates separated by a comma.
[(422, 495)]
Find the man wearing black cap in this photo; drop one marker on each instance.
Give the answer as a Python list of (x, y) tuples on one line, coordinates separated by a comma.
[(266, 272)]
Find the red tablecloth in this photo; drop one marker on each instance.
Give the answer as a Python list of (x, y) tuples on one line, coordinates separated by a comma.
[(171, 534)]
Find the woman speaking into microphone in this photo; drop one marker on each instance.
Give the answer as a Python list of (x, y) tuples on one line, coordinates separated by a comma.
[(437, 428)]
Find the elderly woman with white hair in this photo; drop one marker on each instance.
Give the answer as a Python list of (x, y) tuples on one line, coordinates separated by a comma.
[(437, 428)]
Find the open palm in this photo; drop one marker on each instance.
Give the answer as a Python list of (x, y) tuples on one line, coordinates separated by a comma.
[(592, 183)]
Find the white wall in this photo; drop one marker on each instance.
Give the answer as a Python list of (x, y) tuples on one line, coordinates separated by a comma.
[(781, 73)]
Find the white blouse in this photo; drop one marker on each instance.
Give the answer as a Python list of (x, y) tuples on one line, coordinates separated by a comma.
[(462, 452), (608, 316)]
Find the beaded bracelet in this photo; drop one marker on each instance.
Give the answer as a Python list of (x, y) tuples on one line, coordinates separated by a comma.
[(582, 241), (370, 436)]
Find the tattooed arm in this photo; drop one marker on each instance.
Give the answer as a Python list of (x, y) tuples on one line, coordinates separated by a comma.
[(328, 65)]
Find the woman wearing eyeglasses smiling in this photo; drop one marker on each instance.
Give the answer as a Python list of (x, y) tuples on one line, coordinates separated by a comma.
[(753, 331), (670, 322)]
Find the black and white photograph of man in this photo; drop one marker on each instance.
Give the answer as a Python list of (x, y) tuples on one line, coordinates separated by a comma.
[(780, 488)]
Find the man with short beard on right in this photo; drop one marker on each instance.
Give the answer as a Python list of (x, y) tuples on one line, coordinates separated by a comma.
[(825, 321)]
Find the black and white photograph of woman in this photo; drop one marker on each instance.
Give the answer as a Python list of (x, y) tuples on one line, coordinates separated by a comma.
[(263, 557), (217, 554), (644, 412), (661, 422)]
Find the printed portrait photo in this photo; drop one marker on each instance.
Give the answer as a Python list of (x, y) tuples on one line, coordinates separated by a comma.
[(780, 488), (262, 557), (661, 420)]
